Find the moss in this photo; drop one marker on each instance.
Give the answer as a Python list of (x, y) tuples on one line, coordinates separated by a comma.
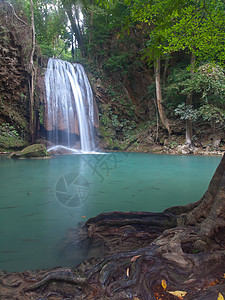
[(36, 150), (9, 137)]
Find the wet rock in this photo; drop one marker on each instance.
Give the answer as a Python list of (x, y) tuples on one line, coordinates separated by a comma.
[(36, 150)]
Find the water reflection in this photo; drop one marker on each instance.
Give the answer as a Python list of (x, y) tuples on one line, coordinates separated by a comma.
[(34, 218)]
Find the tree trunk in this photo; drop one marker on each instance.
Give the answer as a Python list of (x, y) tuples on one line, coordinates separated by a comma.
[(75, 28), (32, 68), (189, 132), (162, 115), (91, 27), (72, 43), (189, 100)]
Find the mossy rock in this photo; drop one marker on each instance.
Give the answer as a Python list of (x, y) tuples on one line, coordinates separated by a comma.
[(36, 150)]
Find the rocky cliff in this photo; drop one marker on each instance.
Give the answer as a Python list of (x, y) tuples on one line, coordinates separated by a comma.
[(15, 48)]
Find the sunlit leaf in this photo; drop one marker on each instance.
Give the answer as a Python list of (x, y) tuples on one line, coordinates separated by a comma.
[(164, 285), (134, 258), (128, 272), (220, 297), (179, 294)]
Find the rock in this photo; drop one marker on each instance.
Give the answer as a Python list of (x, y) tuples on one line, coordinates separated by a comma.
[(166, 142), (206, 143), (216, 142), (184, 149), (36, 150)]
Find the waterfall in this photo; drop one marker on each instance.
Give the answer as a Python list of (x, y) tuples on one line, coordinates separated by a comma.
[(70, 107)]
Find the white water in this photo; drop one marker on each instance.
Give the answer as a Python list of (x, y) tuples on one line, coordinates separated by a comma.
[(70, 106)]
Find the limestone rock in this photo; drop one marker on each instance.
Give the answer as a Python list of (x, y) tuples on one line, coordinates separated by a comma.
[(36, 150)]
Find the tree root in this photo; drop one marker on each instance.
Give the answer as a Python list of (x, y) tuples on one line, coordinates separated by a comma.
[(66, 275), (139, 250)]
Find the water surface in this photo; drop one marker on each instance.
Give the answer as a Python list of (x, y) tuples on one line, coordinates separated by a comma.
[(41, 199)]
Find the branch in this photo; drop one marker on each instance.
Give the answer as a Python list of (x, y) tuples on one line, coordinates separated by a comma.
[(16, 14)]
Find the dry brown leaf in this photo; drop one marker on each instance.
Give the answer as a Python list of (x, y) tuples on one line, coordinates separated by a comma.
[(164, 285), (128, 272), (134, 258), (179, 294), (136, 298), (220, 297)]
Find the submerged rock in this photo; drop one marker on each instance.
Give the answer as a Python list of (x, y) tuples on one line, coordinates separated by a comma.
[(36, 150)]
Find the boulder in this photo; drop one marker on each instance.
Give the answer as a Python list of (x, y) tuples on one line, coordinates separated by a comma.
[(36, 150), (184, 149)]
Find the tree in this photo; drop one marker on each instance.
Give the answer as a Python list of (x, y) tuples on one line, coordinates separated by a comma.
[(162, 115), (199, 29), (152, 13), (193, 26), (72, 9), (209, 83), (32, 68)]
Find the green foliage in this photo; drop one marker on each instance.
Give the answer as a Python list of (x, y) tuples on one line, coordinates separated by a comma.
[(198, 27), (182, 25), (209, 82), (176, 83), (119, 62), (186, 112), (206, 85), (9, 137), (50, 25), (213, 114)]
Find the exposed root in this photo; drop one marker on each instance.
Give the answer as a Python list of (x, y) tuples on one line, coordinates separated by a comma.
[(139, 250), (62, 274)]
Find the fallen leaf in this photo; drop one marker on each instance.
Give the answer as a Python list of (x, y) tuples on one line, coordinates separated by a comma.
[(136, 298), (164, 285), (135, 257), (220, 297), (128, 271), (214, 282), (179, 294), (84, 217)]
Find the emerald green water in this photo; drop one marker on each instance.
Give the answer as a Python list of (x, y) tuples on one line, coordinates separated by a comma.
[(41, 199)]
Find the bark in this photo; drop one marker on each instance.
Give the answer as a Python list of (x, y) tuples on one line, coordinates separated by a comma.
[(189, 100), (91, 26), (32, 67), (163, 118), (75, 28), (185, 246)]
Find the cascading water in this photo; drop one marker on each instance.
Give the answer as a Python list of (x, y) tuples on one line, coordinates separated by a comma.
[(70, 106)]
